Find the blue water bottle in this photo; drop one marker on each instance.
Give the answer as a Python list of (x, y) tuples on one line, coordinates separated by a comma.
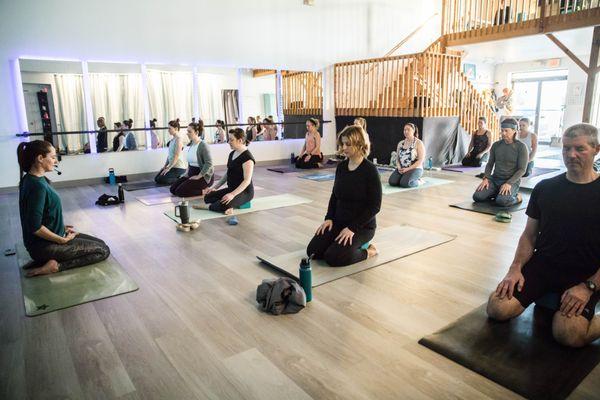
[(112, 179), (306, 277), (430, 163)]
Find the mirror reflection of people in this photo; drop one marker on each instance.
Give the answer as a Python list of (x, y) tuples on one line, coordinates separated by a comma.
[(559, 250), (101, 136), (251, 130), (175, 166), (479, 146), (270, 132), (530, 140), (504, 103), (52, 245), (130, 141), (199, 175), (119, 139), (410, 155), (155, 141), (355, 201), (505, 167), (310, 156), (240, 167), (220, 134)]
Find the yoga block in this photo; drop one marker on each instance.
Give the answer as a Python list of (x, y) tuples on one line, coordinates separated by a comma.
[(365, 246), (246, 205), (551, 301)]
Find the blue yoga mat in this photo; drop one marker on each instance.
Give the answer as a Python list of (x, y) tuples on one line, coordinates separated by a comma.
[(318, 177)]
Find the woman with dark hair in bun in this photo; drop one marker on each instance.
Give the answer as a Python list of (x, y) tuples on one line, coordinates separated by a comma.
[(52, 245), (311, 155), (239, 190), (175, 166), (220, 134), (130, 141), (200, 171)]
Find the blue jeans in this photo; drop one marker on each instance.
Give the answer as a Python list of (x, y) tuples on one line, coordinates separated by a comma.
[(406, 180), (492, 192)]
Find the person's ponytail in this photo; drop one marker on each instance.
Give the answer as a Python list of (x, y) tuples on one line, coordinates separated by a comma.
[(27, 152)]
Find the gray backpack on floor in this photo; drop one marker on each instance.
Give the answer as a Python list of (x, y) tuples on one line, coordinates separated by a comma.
[(280, 296)]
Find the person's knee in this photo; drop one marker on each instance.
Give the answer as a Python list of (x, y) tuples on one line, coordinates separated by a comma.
[(479, 196), (336, 256), (394, 180), (505, 201), (570, 332), (104, 251), (502, 309)]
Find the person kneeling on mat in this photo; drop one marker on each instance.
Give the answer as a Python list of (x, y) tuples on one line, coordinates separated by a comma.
[(311, 155), (239, 190), (175, 166), (52, 245), (355, 201), (481, 142), (508, 159), (409, 162), (200, 171), (559, 250)]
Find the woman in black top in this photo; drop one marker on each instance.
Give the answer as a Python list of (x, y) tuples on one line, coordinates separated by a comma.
[(355, 200), (101, 136), (239, 190), (479, 147), (119, 139)]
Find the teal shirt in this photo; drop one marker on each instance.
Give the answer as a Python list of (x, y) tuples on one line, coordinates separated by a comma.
[(39, 204)]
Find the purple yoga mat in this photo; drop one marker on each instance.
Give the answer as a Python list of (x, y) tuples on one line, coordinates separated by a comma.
[(460, 168)]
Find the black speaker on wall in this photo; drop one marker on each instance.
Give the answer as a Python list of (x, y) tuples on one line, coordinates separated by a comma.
[(44, 107)]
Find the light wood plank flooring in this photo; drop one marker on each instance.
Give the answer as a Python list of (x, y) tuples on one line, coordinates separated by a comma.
[(193, 330)]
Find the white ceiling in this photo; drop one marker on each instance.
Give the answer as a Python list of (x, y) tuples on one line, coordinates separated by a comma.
[(529, 48)]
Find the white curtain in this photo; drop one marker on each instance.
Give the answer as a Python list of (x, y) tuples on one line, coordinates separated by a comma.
[(119, 97), (170, 94), (70, 112), (231, 106), (211, 102)]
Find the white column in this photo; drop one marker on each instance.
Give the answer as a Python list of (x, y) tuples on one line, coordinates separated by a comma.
[(146, 105), (19, 97), (195, 91), (87, 96), (240, 87), (279, 98)]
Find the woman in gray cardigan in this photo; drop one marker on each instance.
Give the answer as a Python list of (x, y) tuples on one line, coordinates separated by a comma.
[(200, 171)]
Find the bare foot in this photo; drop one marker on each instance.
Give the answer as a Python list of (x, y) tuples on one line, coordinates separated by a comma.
[(49, 268), (229, 211), (201, 206), (519, 198), (372, 251)]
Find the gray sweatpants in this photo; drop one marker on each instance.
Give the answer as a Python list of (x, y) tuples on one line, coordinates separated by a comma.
[(492, 192)]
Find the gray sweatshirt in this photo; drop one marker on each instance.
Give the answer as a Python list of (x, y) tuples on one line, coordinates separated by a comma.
[(509, 161), (204, 161)]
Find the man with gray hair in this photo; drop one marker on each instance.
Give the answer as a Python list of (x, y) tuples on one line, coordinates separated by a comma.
[(559, 250)]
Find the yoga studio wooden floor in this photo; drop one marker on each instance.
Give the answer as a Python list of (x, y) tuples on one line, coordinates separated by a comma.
[(193, 329)]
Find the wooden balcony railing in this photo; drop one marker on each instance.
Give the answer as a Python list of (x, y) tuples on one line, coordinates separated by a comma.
[(416, 85), (469, 20), (302, 93)]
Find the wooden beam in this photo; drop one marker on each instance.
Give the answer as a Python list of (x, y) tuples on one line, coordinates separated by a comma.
[(591, 78), (568, 52)]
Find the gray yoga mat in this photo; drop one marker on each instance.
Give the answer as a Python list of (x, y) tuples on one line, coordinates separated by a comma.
[(489, 207), (130, 187), (47, 293), (393, 242), (520, 354), (427, 182), (258, 204)]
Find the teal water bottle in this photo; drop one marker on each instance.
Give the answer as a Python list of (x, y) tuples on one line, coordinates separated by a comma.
[(430, 163), (306, 277), (112, 179)]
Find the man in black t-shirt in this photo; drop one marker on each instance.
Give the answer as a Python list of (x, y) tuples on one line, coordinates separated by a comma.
[(559, 250)]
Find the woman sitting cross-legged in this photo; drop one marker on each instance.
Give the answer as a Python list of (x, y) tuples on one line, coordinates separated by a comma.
[(199, 175), (355, 201), (53, 246), (238, 177), (311, 155), (176, 165), (479, 147), (409, 164)]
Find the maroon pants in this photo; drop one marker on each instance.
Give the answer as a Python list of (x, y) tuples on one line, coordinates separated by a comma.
[(186, 187)]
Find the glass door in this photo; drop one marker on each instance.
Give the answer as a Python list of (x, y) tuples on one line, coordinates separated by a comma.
[(551, 109)]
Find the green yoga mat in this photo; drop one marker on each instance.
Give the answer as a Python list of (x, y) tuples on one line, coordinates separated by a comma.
[(47, 293), (260, 204), (428, 182)]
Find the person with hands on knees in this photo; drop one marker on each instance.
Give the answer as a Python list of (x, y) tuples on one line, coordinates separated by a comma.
[(508, 161), (239, 190), (479, 146), (176, 165), (355, 201), (409, 164), (559, 250), (52, 245), (311, 155)]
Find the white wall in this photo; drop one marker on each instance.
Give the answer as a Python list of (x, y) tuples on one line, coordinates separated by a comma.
[(574, 106), (279, 34), (252, 93)]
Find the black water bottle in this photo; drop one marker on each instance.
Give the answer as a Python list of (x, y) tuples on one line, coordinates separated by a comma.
[(121, 194), (306, 277)]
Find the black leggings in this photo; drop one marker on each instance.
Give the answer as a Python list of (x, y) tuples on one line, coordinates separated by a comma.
[(186, 187), (325, 247), (313, 162), (170, 177), (81, 251), (214, 199), (471, 161)]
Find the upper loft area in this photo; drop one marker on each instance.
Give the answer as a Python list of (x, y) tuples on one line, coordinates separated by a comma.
[(475, 21)]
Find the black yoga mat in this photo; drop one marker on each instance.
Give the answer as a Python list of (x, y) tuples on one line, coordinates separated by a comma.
[(289, 169), (489, 207), (130, 187), (520, 354)]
